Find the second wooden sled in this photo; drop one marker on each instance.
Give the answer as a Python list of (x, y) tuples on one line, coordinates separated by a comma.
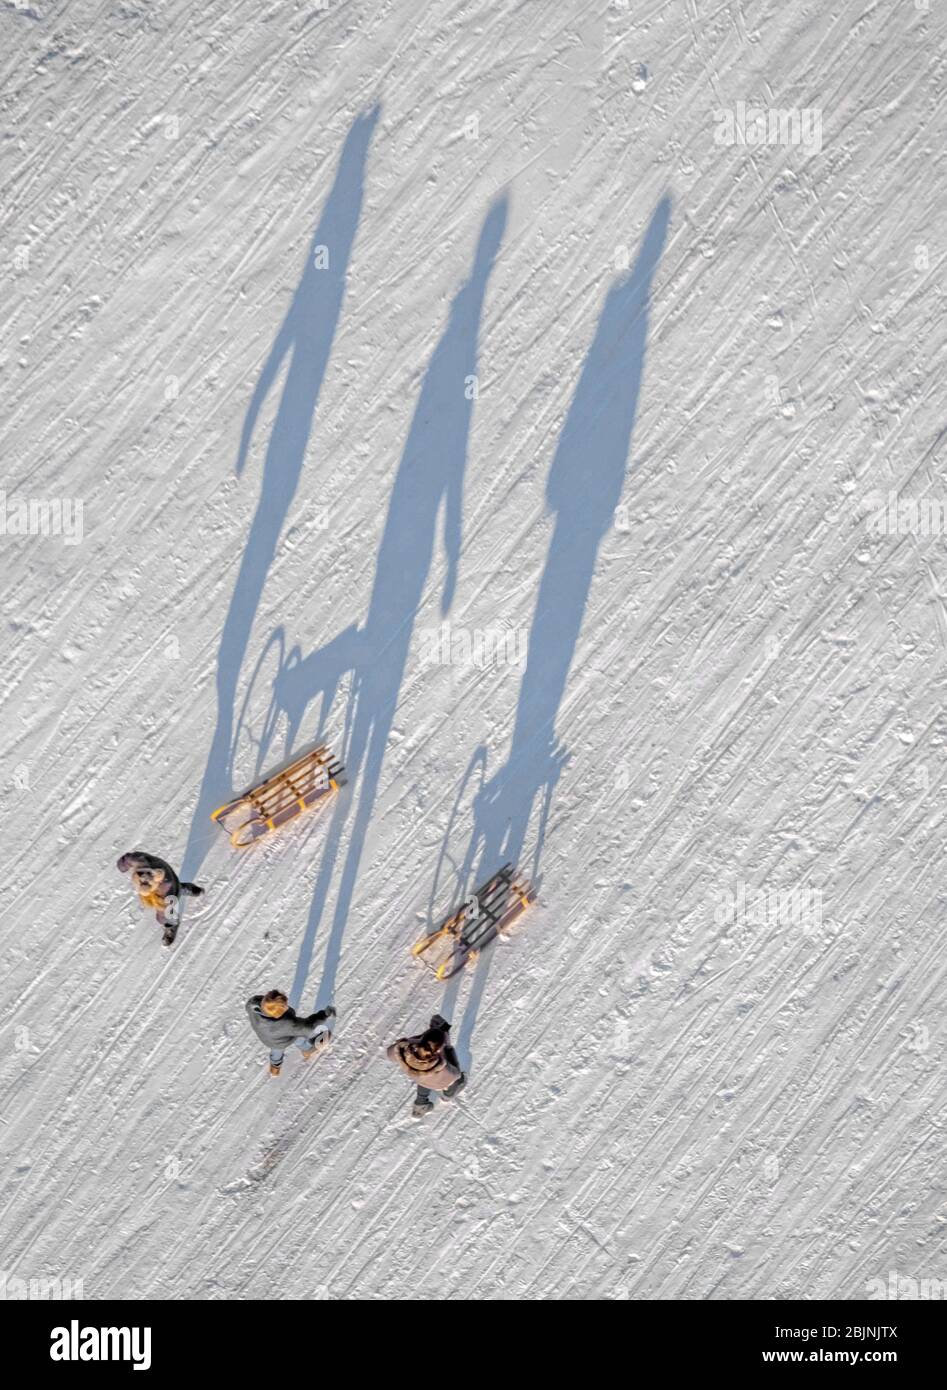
[(464, 932), (284, 795)]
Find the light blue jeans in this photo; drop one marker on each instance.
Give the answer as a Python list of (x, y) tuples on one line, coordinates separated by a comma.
[(304, 1044)]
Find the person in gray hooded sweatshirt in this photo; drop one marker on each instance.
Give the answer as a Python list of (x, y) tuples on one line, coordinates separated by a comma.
[(278, 1026), (431, 1063)]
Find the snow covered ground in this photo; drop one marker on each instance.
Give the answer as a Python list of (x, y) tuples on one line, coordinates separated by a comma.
[(345, 322)]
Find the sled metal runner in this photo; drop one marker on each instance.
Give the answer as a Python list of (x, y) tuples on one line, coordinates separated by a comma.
[(281, 798), (475, 923)]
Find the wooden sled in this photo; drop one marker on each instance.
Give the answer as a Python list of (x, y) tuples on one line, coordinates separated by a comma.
[(473, 925), (282, 797)]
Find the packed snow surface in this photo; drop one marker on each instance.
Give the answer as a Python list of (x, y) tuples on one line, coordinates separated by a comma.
[(488, 389)]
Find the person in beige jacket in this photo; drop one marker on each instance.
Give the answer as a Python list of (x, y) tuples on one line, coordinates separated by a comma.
[(431, 1063)]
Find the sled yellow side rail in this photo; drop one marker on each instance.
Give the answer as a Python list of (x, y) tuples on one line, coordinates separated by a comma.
[(283, 796)]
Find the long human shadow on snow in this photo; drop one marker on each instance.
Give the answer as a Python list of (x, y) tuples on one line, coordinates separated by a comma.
[(584, 488), (305, 338), (429, 478)]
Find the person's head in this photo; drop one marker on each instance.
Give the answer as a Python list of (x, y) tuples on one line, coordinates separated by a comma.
[(146, 880), (431, 1042), (274, 1003)]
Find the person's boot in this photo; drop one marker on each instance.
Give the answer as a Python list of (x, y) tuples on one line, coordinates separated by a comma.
[(274, 1068), (456, 1087), (169, 933), (421, 1107)]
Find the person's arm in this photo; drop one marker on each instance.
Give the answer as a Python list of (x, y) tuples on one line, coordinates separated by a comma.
[(313, 1021), (450, 1057)]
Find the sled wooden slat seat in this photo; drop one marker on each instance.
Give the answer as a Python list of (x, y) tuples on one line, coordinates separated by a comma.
[(284, 795)]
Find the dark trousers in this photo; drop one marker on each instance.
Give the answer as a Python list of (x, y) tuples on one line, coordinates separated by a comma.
[(424, 1092), (178, 890)]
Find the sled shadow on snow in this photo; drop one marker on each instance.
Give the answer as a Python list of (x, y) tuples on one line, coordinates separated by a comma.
[(585, 484), (302, 346), (428, 486)]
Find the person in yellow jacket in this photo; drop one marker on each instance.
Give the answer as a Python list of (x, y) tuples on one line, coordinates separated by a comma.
[(158, 887)]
